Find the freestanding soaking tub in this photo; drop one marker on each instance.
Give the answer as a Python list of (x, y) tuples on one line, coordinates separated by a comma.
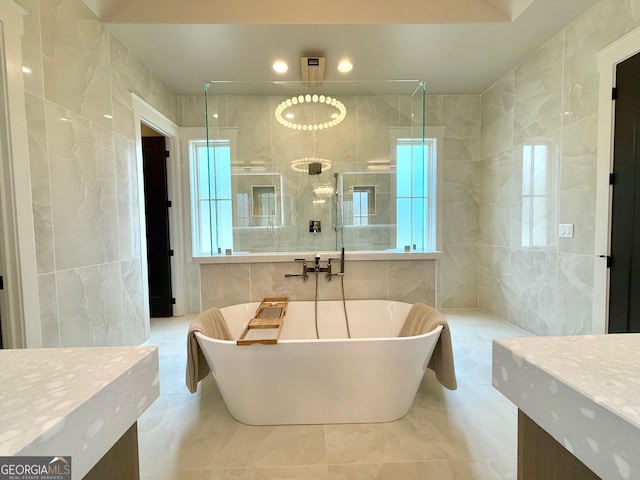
[(371, 377)]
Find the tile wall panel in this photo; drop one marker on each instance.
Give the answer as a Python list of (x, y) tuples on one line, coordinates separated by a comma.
[(81, 131)]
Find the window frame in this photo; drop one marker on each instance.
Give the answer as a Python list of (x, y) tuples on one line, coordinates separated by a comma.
[(433, 139)]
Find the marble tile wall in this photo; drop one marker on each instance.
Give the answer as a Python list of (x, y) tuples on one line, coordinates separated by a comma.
[(461, 181), (404, 281), (550, 99), (80, 126)]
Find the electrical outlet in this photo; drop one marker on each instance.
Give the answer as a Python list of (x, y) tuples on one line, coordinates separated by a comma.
[(565, 230)]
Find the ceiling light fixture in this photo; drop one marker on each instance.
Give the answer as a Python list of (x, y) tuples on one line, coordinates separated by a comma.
[(280, 66), (345, 66), (302, 99), (26, 69)]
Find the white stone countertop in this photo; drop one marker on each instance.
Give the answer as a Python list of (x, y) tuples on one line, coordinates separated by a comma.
[(73, 401), (583, 390)]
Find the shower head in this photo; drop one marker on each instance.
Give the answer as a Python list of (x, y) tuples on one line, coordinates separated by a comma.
[(315, 168)]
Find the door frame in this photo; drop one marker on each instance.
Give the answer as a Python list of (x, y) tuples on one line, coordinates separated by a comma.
[(145, 113), (21, 304), (608, 60)]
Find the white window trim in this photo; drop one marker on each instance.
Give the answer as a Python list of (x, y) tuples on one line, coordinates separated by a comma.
[(145, 113), (431, 132), (188, 135)]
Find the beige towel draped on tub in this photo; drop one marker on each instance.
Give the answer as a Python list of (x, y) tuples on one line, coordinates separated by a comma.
[(422, 319), (212, 324)]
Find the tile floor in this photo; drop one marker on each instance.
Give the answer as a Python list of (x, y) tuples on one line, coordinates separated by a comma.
[(466, 434)]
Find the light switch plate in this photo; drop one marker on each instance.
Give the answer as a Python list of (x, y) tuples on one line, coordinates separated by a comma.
[(565, 230)]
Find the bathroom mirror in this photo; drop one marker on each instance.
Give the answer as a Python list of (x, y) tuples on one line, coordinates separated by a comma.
[(278, 155)]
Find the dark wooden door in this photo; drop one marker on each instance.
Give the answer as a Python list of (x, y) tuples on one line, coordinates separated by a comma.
[(624, 287), (157, 218)]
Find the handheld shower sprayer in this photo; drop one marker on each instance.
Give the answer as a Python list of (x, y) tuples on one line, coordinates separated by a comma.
[(337, 225)]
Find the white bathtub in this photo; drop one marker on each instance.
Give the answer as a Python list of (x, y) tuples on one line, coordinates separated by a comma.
[(371, 377)]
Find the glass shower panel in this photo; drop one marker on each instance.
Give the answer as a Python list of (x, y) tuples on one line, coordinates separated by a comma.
[(298, 154)]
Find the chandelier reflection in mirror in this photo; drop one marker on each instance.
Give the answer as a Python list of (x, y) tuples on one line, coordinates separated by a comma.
[(323, 189), (334, 115)]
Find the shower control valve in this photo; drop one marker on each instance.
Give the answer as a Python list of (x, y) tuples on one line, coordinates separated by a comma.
[(315, 226)]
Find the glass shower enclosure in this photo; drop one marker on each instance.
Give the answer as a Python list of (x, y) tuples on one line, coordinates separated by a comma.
[(287, 167)]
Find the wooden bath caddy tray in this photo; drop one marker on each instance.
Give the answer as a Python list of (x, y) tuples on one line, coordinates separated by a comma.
[(266, 324)]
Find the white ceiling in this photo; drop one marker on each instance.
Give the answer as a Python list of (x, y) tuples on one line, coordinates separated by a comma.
[(455, 46)]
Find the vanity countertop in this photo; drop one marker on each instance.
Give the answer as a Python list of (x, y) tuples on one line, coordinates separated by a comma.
[(583, 390), (73, 401)]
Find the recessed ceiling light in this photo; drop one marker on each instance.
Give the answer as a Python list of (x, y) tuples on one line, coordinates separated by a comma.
[(280, 66), (345, 66), (215, 115), (289, 116), (26, 69)]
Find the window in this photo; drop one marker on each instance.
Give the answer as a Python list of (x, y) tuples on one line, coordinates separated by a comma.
[(211, 187), (415, 193)]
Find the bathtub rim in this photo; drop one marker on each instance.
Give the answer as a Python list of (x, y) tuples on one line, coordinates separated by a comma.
[(437, 330)]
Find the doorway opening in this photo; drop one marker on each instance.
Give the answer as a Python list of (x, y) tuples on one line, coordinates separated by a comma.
[(157, 204)]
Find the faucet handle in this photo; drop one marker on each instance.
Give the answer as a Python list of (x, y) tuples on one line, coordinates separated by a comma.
[(329, 268), (332, 259), (304, 273)]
